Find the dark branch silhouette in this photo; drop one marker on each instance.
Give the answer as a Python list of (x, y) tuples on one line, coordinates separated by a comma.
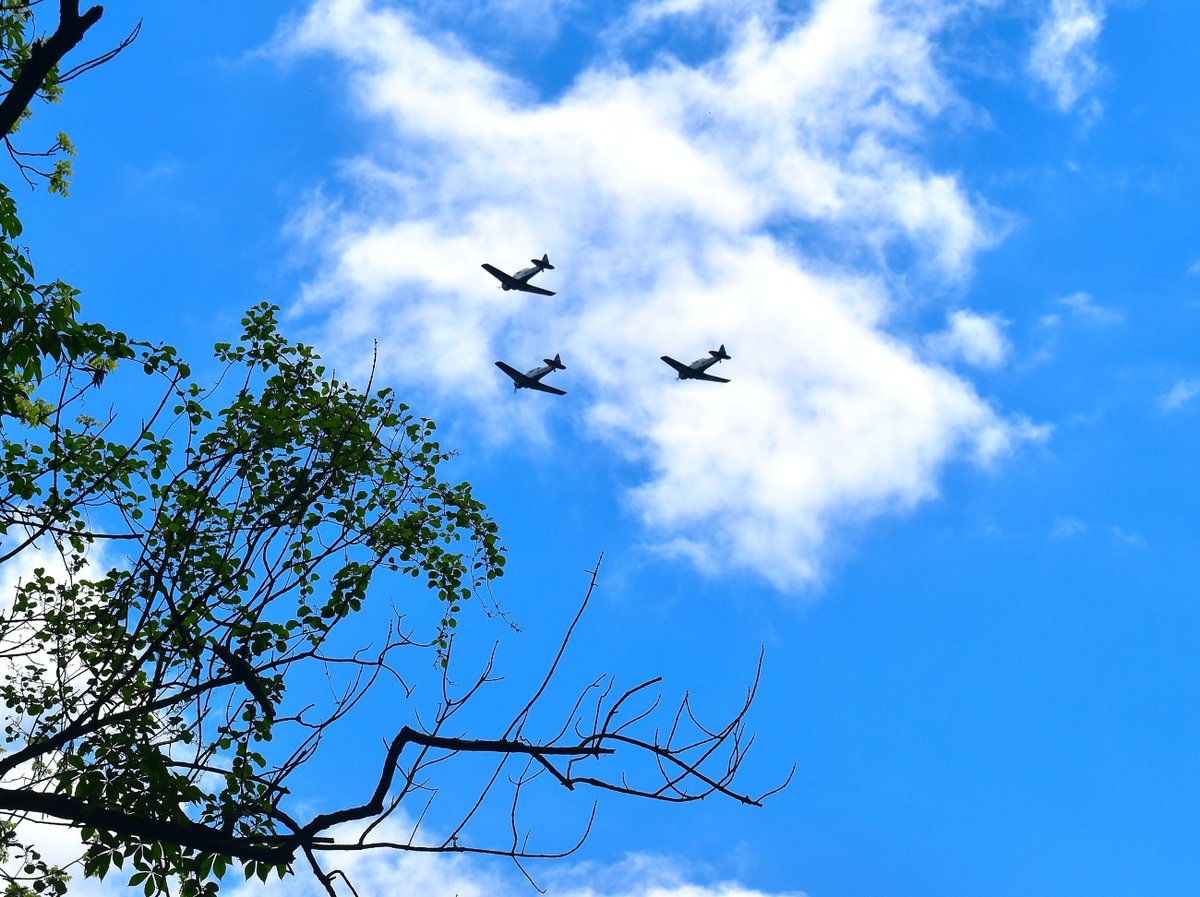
[(44, 56), (681, 763)]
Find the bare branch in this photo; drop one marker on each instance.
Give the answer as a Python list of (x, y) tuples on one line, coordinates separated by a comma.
[(78, 70), (519, 719)]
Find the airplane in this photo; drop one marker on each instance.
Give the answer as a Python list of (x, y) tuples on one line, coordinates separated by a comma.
[(520, 280), (532, 379), (696, 370)]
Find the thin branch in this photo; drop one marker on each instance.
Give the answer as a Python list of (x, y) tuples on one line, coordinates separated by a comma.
[(102, 58), (519, 719)]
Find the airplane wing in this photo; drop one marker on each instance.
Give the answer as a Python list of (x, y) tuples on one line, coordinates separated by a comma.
[(538, 384), (517, 377), (511, 283), (684, 370), (687, 372), (507, 279)]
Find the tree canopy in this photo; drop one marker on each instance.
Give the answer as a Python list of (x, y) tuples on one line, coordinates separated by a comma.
[(188, 561)]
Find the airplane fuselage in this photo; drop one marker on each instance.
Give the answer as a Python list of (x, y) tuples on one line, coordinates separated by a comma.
[(700, 365), (523, 275)]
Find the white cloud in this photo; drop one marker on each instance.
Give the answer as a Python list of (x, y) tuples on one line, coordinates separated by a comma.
[(642, 875), (1067, 528), (61, 846), (1180, 394), (662, 196), (1125, 537), (1073, 528), (976, 339), (653, 10), (42, 554), (58, 844), (1063, 56), (1084, 305), (418, 874), (399, 873), (725, 15), (391, 872)]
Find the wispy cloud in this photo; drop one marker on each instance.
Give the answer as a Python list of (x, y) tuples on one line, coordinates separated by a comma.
[(1085, 306), (1072, 528), (663, 195), (1067, 528), (725, 13), (1180, 394), (644, 874), (1063, 56)]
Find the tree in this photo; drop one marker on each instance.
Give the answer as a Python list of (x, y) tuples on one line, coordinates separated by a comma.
[(208, 551)]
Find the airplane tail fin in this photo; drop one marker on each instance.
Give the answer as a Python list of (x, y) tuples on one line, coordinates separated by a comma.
[(544, 262), (720, 354), (555, 363)]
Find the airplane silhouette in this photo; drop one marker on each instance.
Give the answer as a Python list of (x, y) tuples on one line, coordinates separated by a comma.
[(520, 280), (696, 370), (532, 379)]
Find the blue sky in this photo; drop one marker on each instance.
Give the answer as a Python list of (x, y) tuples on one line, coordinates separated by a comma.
[(951, 247)]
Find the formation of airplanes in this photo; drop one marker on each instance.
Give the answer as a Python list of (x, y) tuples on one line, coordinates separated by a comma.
[(532, 379)]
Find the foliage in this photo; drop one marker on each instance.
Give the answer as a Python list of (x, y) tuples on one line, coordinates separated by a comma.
[(251, 533), (39, 328)]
